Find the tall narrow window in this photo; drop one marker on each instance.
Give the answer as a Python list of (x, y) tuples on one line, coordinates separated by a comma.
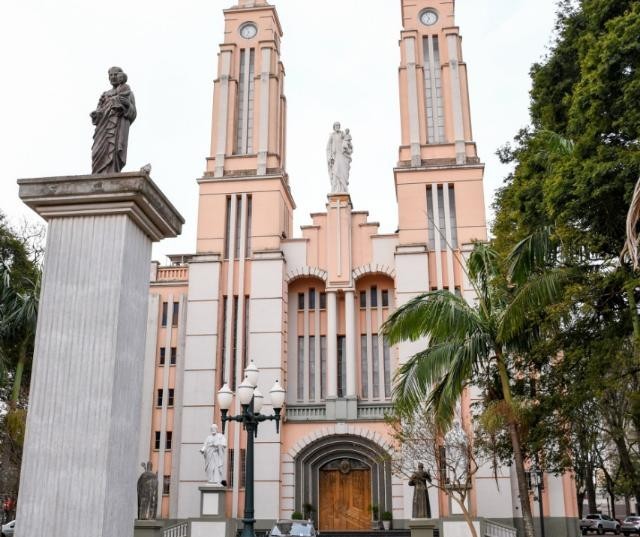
[(374, 297), (234, 342), (223, 345), (433, 90), (342, 366), (162, 358), (166, 485), (227, 229), (159, 400), (168, 440), (301, 301), (323, 301), (364, 367), (386, 364), (323, 365), (312, 368), (245, 348), (385, 298), (174, 356), (170, 397), (363, 299), (230, 466), (238, 227), (453, 220), (244, 116), (165, 313), (312, 299), (175, 314), (300, 368), (442, 220), (248, 249), (156, 444), (431, 224), (375, 366)]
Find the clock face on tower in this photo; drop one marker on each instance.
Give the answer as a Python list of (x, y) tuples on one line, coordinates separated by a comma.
[(428, 17), (248, 30)]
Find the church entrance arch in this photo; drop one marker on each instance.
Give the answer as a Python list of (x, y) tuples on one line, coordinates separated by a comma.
[(342, 476)]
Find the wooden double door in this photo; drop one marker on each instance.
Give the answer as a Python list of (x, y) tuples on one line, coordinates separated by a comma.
[(345, 497)]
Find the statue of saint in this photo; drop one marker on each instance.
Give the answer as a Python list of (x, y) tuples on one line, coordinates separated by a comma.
[(115, 113), (421, 505), (339, 155), (214, 450), (147, 493)]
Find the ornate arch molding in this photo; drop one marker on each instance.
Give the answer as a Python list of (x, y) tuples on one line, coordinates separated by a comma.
[(368, 448), (305, 272), (373, 268)]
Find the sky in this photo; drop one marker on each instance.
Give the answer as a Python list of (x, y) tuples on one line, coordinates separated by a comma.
[(341, 59)]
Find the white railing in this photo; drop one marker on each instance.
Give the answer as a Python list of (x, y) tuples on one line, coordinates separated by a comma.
[(177, 530), (495, 529), (373, 412), (306, 412)]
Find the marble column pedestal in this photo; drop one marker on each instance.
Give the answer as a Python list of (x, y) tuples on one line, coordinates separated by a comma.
[(422, 527), (79, 466)]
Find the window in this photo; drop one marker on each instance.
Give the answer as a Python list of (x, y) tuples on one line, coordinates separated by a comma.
[(159, 398), (166, 484), (386, 364), (363, 299), (342, 366), (301, 301), (170, 399), (385, 298), (167, 442), (238, 227), (230, 469), (174, 355), (230, 466), (374, 297), (227, 229), (437, 223), (323, 301), (248, 230), (245, 348), (174, 317), (312, 299), (223, 344), (312, 368), (323, 365), (375, 366), (165, 311), (156, 444), (234, 343), (163, 352), (453, 221), (364, 367), (300, 379)]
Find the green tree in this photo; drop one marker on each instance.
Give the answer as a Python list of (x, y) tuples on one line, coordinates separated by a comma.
[(467, 342)]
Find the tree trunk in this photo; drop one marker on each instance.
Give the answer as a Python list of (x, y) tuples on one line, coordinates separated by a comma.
[(17, 381), (580, 498), (591, 489), (626, 463), (465, 514), (516, 444)]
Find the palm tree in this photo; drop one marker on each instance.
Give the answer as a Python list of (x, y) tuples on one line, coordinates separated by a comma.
[(468, 340)]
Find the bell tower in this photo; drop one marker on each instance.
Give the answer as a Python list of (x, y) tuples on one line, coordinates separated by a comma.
[(439, 177)]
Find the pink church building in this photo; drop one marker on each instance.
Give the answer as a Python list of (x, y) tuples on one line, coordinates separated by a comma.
[(307, 307)]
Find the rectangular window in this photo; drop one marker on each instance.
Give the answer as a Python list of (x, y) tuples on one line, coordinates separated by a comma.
[(300, 379), (323, 301), (223, 344), (174, 316), (166, 485), (453, 220), (159, 398), (170, 398), (342, 366), (323, 365), (312, 368), (301, 301), (234, 343), (363, 299), (386, 364), (364, 367), (227, 229), (162, 358), (248, 245), (312, 299), (165, 312), (430, 219), (438, 227), (385, 298), (174, 355), (374, 297), (238, 227), (442, 220), (230, 461), (375, 366), (156, 444), (167, 443), (245, 348)]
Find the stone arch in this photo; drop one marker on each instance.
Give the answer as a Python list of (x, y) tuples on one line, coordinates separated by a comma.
[(371, 269), (305, 272), (310, 454)]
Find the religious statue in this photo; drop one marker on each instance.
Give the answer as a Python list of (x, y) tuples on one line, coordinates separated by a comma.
[(339, 155), (214, 451), (147, 493), (421, 505), (115, 113)]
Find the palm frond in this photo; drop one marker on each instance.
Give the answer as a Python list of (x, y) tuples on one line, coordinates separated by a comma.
[(556, 144), (535, 295), (529, 255), (438, 315)]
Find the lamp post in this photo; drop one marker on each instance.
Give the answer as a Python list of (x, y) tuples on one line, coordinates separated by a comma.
[(537, 483), (251, 401)]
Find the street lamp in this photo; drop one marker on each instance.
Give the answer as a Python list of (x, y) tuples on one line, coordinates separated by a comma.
[(537, 483), (251, 401)]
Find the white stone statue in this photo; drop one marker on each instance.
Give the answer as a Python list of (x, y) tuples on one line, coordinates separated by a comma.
[(339, 152), (214, 451)]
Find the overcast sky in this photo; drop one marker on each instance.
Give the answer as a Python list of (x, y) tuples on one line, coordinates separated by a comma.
[(341, 58)]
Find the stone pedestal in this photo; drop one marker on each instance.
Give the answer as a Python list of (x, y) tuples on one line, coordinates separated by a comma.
[(80, 464), (422, 527), (148, 528), (212, 502)]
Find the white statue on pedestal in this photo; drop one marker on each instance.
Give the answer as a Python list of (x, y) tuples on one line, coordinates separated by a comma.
[(339, 151), (214, 451)]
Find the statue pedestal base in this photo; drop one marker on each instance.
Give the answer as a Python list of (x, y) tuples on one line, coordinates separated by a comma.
[(212, 502), (422, 527), (148, 528)]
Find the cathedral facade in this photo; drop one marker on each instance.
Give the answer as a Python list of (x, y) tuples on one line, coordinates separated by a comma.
[(307, 308)]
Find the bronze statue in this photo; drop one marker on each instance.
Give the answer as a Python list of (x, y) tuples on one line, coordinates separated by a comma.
[(421, 505), (147, 493), (115, 113)]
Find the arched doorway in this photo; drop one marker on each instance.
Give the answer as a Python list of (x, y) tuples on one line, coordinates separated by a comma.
[(342, 476)]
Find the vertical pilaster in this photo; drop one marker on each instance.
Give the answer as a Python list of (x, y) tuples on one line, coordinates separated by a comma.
[(412, 83), (265, 104), (456, 98), (148, 377), (221, 118)]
